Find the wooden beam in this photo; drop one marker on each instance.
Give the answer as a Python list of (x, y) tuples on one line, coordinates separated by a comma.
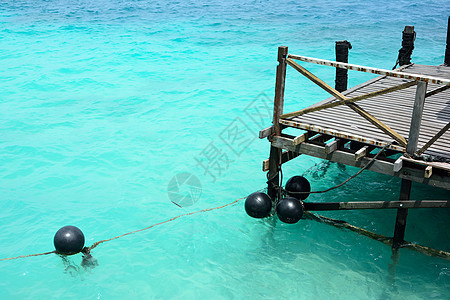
[(383, 91), (266, 132), (433, 139), (331, 147), (315, 79), (428, 171), (361, 152), (386, 129), (341, 134), (438, 90), (349, 100), (402, 213), (348, 158), (285, 157), (321, 206), (300, 139), (405, 188), (398, 74), (437, 165), (380, 125), (398, 164)]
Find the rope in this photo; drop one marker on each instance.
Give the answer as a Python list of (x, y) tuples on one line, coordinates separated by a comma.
[(347, 180), (167, 221), (377, 237), (308, 215), (23, 256), (86, 250)]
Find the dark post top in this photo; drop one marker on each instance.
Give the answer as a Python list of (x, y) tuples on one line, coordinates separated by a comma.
[(447, 48), (342, 48), (282, 53), (404, 54)]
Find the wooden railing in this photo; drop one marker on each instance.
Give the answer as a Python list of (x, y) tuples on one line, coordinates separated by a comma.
[(416, 79)]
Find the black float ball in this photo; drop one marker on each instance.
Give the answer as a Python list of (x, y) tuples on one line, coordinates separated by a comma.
[(258, 205), (290, 210), (298, 184), (69, 240)]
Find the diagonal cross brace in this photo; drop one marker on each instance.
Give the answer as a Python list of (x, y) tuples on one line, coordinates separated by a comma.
[(350, 100), (344, 100)]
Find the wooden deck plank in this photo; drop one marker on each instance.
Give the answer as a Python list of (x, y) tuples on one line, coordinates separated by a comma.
[(393, 109)]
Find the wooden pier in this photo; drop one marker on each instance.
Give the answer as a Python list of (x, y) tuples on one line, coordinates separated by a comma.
[(404, 112)]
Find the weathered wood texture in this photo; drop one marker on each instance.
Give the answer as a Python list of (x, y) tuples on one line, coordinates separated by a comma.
[(394, 109), (319, 206), (275, 153), (415, 174), (394, 73)]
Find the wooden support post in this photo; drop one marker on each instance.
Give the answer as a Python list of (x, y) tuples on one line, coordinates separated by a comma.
[(405, 189), (416, 118), (275, 153), (402, 213), (447, 47), (332, 146), (404, 54), (279, 89), (273, 177), (342, 48)]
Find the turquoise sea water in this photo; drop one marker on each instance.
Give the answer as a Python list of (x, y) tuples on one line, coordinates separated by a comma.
[(102, 103)]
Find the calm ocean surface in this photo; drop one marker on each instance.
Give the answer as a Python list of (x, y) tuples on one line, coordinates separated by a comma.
[(102, 103)]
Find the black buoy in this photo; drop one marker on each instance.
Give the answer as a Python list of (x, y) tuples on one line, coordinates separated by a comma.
[(298, 184), (290, 210), (258, 205), (69, 240)]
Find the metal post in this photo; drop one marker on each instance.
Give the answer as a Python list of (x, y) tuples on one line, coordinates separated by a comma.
[(405, 189), (275, 153), (342, 48)]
